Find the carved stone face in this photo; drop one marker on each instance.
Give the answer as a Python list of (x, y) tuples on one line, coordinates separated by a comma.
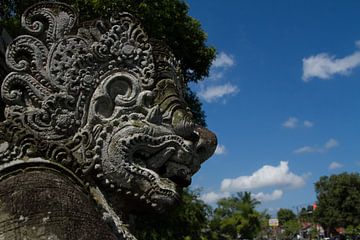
[(106, 103), (148, 145)]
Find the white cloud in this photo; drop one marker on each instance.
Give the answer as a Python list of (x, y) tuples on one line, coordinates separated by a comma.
[(217, 91), (220, 149), (335, 165), (324, 66), (330, 144), (265, 197), (266, 176), (223, 60), (213, 197), (292, 122), (357, 43), (306, 149), (216, 75), (214, 93), (308, 124)]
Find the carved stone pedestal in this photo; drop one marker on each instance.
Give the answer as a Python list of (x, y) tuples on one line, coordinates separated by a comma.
[(39, 202)]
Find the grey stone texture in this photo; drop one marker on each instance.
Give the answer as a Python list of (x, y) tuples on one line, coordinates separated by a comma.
[(96, 127)]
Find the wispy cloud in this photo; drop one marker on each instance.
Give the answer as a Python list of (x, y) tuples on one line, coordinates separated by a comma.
[(308, 124), (217, 89), (223, 60), (325, 66), (220, 65), (293, 122), (214, 93), (213, 197), (265, 197), (330, 144), (306, 149), (220, 149), (266, 176), (335, 165)]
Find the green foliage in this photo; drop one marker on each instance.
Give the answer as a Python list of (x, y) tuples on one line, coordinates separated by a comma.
[(187, 221), (352, 230), (284, 215), (264, 225), (338, 199), (236, 217), (291, 228)]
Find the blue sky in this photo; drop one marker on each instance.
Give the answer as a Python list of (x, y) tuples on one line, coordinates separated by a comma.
[(282, 97)]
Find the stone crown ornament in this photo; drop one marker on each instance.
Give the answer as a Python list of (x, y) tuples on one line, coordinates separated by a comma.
[(96, 127)]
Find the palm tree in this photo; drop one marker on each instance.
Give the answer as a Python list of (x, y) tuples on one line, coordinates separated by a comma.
[(236, 216)]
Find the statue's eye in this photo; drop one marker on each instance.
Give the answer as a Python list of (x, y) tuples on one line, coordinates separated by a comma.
[(117, 90)]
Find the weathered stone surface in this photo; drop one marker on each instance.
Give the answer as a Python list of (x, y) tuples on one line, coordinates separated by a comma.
[(105, 103), (42, 202)]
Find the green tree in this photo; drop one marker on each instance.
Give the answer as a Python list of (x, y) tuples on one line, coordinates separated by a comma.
[(352, 231), (291, 228), (284, 215), (235, 217), (187, 221), (338, 198), (264, 225), (166, 20), (288, 222)]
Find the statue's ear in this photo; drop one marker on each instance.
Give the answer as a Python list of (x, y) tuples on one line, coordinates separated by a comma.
[(116, 92)]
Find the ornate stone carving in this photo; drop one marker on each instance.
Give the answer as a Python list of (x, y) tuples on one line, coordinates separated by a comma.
[(103, 102)]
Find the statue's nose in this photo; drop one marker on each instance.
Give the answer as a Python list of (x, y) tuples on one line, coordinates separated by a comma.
[(206, 145), (204, 140)]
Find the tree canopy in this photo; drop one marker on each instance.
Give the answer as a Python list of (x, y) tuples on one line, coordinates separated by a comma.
[(288, 222), (284, 215), (184, 222), (236, 217), (338, 198)]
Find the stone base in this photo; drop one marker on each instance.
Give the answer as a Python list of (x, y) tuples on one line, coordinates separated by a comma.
[(44, 203)]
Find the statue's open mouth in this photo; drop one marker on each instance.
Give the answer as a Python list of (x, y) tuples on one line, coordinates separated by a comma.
[(169, 156), (167, 164)]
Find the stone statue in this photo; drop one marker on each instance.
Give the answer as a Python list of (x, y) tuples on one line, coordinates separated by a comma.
[(96, 128)]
